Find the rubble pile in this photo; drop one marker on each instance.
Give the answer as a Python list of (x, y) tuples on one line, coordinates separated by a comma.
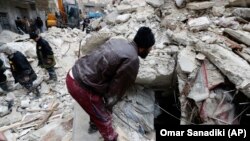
[(20, 110), (203, 44)]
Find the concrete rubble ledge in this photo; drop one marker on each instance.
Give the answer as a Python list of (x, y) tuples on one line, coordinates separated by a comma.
[(200, 5), (241, 36), (126, 9), (235, 68), (242, 12), (246, 27), (197, 24), (240, 3), (155, 3), (156, 70)]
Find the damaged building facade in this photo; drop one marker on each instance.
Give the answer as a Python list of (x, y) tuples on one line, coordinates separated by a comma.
[(11, 9)]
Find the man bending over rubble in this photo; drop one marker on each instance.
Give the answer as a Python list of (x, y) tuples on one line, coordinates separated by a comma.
[(3, 77), (45, 55), (21, 70), (98, 80)]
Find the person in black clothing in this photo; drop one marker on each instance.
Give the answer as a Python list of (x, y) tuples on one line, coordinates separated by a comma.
[(45, 55), (3, 78), (86, 22), (39, 24), (21, 70), (19, 25)]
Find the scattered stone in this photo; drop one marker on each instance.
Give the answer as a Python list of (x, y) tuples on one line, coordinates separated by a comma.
[(198, 24), (123, 18), (200, 5), (238, 35), (242, 12), (242, 3), (25, 103), (218, 11), (45, 89), (235, 68), (200, 56), (186, 60), (246, 27), (180, 3), (4, 110), (155, 3), (125, 9)]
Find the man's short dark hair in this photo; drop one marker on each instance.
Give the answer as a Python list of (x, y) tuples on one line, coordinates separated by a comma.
[(144, 38), (33, 35)]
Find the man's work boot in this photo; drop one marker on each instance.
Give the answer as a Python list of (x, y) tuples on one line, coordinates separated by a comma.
[(52, 74), (92, 128)]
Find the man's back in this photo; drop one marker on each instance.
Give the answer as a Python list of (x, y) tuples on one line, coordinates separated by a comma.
[(99, 68)]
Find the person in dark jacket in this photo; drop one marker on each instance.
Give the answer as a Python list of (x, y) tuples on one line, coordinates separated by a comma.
[(45, 55), (20, 26), (85, 24), (21, 70), (3, 77), (107, 73), (39, 24)]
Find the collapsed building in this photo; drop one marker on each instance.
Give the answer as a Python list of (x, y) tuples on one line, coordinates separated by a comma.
[(197, 73)]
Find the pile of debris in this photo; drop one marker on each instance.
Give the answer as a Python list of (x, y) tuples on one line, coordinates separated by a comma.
[(40, 119), (201, 46)]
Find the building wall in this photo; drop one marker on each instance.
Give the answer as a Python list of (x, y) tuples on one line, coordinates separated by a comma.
[(15, 9)]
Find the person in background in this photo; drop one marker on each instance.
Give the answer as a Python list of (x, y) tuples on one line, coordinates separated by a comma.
[(21, 70), (20, 25), (86, 23), (39, 24), (45, 55), (26, 24), (3, 77), (99, 80)]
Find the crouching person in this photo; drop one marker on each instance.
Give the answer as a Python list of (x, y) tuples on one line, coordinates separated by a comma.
[(3, 78), (45, 55), (21, 70)]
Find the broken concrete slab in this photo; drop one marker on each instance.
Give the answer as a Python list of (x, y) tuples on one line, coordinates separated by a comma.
[(126, 9), (200, 5), (180, 3), (244, 53), (186, 60), (214, 75), (111, 17), (25, 103), (197, 24), (239, 3), (180, 38), (246, 27), (4, 110), (94, 41), (156, 70), (155, 3), (242, 12), (7, 36), (45, 88), (238, 35), (200, 56), (218, 11), (122, 18), (235, 68)]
